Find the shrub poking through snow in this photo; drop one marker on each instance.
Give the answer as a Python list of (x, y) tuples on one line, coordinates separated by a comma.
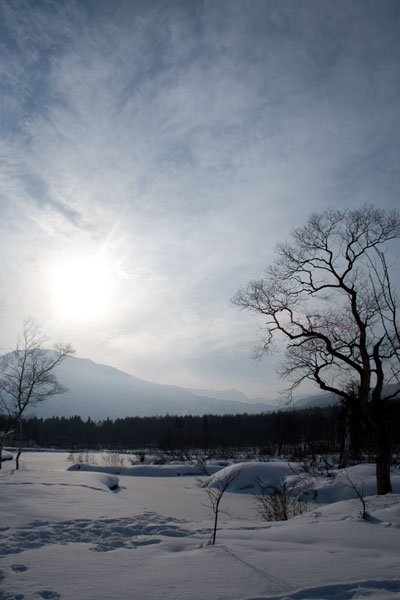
[(113, 459), (81, 457), (279, 502)]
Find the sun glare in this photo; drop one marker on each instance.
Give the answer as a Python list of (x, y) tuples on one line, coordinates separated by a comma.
[(81, 288)]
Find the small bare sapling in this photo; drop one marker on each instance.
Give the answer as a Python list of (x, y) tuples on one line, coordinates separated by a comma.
[(215, 494), (358, 488)]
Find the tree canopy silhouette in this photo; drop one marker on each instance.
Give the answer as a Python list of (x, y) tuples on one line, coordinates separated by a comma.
[(330, 298)]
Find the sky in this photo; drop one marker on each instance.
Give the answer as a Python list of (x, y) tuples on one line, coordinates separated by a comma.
[(153, 153)]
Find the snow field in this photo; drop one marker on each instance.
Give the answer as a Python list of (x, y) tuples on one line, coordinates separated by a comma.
[(66, 534)]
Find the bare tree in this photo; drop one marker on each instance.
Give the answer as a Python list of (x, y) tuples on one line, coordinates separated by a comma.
[(215, 492), (329, 296), (27, 377)]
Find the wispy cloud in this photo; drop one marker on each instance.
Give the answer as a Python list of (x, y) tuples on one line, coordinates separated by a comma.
[(182, 140)]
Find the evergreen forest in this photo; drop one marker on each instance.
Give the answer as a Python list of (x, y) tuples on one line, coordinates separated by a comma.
[(308, 432)]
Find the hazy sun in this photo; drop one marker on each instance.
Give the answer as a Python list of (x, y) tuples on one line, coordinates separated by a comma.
[(81, 288)]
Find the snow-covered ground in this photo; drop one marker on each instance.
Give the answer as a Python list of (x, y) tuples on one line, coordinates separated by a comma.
[(66, 534)]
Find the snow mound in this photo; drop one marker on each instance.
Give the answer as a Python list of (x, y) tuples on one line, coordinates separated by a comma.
[(372, 589), (246, 477), (6, 455), (111, 481), (171, 470), (346, 483), (341, 484)]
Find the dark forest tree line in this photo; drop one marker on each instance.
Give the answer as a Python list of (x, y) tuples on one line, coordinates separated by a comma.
[(309, 432)]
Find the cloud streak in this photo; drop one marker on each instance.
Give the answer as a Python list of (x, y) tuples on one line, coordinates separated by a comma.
[(181, 141)]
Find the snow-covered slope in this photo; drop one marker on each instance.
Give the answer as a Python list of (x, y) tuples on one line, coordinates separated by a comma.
[(99, 391)]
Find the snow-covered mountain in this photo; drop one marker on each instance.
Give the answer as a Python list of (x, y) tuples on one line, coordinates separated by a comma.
[(100, 391)]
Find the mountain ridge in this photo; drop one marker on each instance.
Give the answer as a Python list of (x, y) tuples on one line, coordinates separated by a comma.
[(100, 391)]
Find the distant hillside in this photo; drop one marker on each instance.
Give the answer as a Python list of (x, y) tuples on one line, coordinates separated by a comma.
[(324, 399), (99, 391), (328, 399), (235, 396)]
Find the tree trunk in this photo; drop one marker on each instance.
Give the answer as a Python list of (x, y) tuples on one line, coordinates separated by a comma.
[(383, 444), (383, 460), (346, 439), (216, 509), (20, 445), (350, 443), (214, 535)]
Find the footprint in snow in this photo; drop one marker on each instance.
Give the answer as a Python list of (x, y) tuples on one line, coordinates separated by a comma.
[(19, 568), (47, 595)]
